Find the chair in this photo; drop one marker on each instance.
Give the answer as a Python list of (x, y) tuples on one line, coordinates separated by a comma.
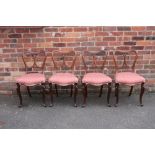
[(125, 73), (94, 63), (34, 66), (64, 63)]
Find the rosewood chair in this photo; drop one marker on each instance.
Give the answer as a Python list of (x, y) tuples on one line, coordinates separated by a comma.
[(125, 73), (34, 66), (94, 65), (64, 63)]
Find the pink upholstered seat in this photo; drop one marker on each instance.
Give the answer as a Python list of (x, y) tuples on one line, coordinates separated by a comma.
[(31, 79), (96, 79), (63, 79), (129, 78)]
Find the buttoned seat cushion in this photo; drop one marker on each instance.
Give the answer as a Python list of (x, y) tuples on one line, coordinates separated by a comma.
[(129, 78), (31, 79), (63, 79), (96, 79)]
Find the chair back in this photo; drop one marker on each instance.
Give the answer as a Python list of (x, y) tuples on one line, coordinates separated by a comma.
[(64, 61), (34, 61), (125, 61), (94, 61)]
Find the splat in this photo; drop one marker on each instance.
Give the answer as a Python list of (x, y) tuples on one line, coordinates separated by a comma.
[(62, 63), (125, 64), (34, 56), (95, 60)]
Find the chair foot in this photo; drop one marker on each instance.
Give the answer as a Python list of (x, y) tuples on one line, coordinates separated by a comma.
[(43, 105), (109, 105), (140, 105), (75, 105), (51, 105), (116, 105), (20, 106), (83, 105)]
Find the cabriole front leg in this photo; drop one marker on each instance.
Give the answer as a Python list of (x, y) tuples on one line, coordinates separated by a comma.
[(43, 94), (56, 90), (71, 92), (51, 95), (28, 90), (117, 93), (108, 95), (131, 89), (84, 94), (75, 94)]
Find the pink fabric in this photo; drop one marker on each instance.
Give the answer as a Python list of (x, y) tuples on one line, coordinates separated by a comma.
[(31, 79), (96, 79), (129, 78), (63, 79)]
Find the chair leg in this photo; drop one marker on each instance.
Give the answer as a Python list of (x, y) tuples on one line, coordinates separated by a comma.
[(86, 91), (84, 94), (131, 89), (101, 91), (19, 94), (141, 94), (43, 95), (117, 93), (108, 95), (51, 94), (28, 90), (56, 89), (71, 93), (75, 94)]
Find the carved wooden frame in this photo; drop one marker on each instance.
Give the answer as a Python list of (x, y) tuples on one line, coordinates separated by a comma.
[(33, 56), (58, 67), (126, 66), (94, 65)]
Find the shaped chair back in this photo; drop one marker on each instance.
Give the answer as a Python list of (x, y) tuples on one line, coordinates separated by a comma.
[(94, 61), (64, 61), (34, 61), (125, 61)]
